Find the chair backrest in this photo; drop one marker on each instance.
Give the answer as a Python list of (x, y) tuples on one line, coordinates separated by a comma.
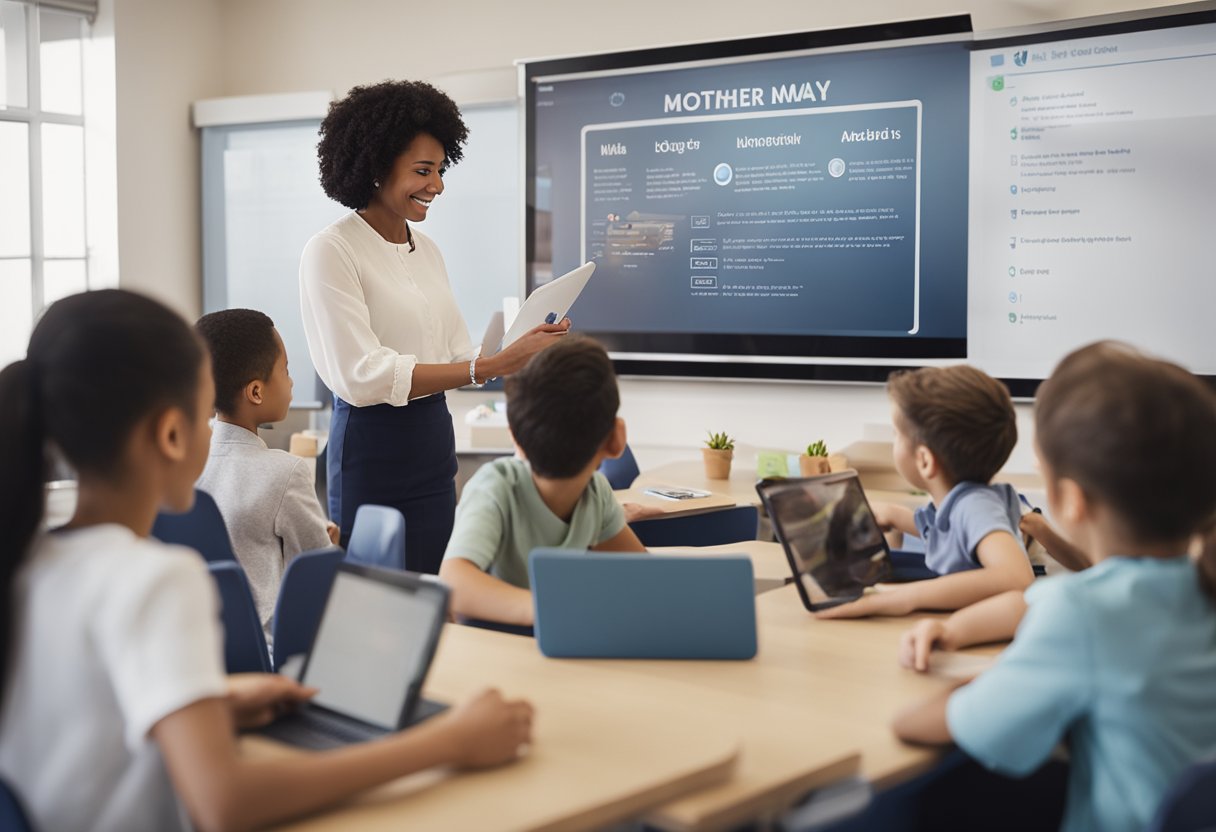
[(201, 528), (622, 471), (1189, 805), (377, 538), (301, 601), (12, 814), (728, 525), (244, 643)]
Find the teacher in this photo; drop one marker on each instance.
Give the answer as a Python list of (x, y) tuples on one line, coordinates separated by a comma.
[(383, 328)]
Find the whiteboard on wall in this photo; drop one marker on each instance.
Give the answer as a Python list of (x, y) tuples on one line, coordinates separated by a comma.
[(262, 201)]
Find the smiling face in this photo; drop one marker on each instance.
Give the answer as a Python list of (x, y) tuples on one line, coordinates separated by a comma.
[(415, 180)]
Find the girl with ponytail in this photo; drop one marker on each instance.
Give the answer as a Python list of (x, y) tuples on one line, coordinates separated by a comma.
[(113, 701), (1118, 660)]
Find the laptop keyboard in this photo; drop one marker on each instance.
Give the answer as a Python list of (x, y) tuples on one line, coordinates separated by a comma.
[(316, 729)]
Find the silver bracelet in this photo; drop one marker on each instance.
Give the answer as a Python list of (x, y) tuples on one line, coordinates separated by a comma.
[(473, 373)]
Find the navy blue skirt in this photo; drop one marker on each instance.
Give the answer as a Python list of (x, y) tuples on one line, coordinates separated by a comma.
[(404, 457)]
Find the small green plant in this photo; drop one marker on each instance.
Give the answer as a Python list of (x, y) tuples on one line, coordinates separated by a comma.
[(817, 448), (720, 442)]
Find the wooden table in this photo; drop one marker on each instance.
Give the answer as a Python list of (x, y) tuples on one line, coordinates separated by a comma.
[(769, 564), (606, 748), (675, 508), (815, 685)]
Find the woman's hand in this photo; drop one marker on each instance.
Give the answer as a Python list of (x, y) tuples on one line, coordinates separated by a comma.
[(488, 730), (915, 645), (255, 699), (517, 355)]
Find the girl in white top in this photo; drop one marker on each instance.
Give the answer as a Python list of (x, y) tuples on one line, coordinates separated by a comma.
[(114, 699), (383, 327)]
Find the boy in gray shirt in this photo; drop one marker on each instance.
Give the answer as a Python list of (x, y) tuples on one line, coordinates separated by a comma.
[(562, 412), (267, 497), (954, 429)]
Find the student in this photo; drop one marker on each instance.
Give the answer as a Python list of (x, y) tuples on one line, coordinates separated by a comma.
[(954, 429), (267, 497), (114, 696), (1117, 660), (561, 409)]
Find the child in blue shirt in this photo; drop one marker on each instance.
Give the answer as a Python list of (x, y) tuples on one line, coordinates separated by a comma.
[(1117, 660), (954, 429)]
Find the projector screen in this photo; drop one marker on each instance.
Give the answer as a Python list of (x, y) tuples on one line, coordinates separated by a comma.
[(836, 204), (755, 207)]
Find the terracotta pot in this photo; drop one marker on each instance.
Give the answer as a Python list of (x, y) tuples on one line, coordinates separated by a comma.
[(812, 466), (717, 463), (838, 462)]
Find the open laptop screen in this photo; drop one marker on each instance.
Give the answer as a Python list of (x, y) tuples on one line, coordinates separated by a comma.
[(830, 533), (372, 645)]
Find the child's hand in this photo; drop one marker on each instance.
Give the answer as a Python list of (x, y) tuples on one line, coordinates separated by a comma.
[(335, 534), (637, 511), (888, 602), (916, 644), (882, 516), (490, 730), (257, 698)]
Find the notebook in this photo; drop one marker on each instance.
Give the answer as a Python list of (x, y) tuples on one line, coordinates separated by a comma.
[(371, 654), (638, 606), (833, 543)]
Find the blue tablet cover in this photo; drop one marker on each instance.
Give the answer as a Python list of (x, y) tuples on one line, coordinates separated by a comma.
[(639, 606)]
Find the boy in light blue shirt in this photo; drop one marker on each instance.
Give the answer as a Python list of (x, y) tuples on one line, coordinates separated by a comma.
[(561, 409), (1116, 661), (954, 429)]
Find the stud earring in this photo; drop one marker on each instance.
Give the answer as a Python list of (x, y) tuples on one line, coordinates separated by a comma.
[(376, 183)]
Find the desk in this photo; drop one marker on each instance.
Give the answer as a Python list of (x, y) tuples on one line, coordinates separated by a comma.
[(675, 508), (769, 564), (606, 748), (815, 686)]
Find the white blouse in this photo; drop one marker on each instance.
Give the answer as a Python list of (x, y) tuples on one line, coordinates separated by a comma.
[(373, 310)]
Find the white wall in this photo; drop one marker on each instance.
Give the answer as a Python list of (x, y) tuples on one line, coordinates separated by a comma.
[(171, 52), (167, 54)]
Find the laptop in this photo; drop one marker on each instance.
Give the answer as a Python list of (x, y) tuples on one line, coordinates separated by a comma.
[(371, 654), (607, 605), (548, 304), (832, 541)]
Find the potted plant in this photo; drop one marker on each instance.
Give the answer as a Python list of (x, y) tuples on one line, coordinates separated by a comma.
[(718, 452), (815, 460)]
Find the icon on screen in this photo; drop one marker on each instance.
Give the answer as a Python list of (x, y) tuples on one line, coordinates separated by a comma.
[(836, 167), (1013, 272), (1013, 102), (1013, 297), (1013, 242), (723, 173), (997, 60), (1013, 317), (1013, 133), (1013, 160), (1019, 57), (616, 99), (1013, 213), (997, 82), (1013, 189)]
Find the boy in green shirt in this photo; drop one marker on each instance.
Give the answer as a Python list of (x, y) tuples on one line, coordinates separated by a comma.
[(562, 412)]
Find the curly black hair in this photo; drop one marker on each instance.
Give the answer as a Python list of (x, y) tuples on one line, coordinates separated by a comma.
[(365, 132), (243, 348)]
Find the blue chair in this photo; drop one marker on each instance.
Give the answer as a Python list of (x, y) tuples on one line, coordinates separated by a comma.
[(377, 537), (201, 528), (729, 525), (622, 471), (244, 643), (1189, 806), (12, 814), (302, 596)]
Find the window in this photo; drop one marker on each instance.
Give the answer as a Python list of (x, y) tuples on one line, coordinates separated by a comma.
[(43, 241)]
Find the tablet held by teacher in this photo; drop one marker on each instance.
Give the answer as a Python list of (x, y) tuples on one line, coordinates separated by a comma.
[(382, 324)]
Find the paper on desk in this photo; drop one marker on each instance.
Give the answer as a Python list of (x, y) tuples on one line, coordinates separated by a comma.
[(668, 492)]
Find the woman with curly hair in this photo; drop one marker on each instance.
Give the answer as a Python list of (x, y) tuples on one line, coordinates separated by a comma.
[(383, 328)]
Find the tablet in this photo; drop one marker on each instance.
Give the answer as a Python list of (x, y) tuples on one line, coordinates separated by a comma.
[(549, 303)]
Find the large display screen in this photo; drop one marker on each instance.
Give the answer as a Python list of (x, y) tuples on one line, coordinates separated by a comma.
[(1093, 161), (836, 204), (772, 209)]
